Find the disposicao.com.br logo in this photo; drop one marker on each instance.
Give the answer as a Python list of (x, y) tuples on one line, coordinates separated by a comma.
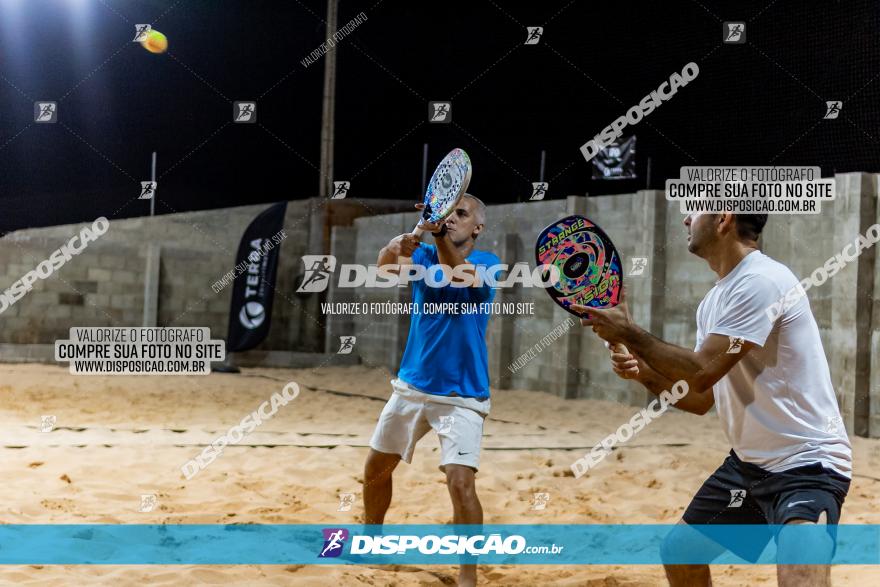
[(429, 544), (320, 268)]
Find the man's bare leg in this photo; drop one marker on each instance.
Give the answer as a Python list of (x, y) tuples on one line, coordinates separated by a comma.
[(815, 575), (466, 509), (377, 485), (684, 538), (688, 575)]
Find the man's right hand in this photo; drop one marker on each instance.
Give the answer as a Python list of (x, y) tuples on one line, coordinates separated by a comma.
[(403, 245), (624, 363)]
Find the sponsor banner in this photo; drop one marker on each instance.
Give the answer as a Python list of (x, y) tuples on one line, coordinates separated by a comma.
[(616, 161), (582, 544), (250, 310)]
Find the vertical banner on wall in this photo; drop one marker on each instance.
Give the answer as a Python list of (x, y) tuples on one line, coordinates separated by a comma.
[(250, 311), (616, 161)]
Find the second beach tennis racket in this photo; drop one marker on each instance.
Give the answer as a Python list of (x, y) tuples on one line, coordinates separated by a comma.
[(590, 270), (446, 188)]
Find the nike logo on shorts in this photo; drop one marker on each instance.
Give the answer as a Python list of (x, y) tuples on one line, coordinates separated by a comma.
[(794, 503), (463, 453)]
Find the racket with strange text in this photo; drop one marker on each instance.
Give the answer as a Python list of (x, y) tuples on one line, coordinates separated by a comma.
[(446, 188), (589, 266)]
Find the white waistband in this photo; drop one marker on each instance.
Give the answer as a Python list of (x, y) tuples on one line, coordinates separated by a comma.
[(412, 393)]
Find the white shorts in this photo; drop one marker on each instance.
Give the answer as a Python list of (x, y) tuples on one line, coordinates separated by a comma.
[(410, 414)]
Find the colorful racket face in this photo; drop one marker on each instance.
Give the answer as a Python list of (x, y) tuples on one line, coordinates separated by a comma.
[(589, 266), (447, 186)]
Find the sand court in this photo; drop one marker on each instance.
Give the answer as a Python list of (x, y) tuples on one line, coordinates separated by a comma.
[(116, 439)]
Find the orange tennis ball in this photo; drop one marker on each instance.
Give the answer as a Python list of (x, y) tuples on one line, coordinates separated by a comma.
[(155, 42)]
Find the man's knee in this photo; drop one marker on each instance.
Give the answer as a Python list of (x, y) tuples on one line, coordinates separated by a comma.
[(379, 466), (674, 547), (676, 551), (804, 553), (461, 483), (804, 542), (688, 547)]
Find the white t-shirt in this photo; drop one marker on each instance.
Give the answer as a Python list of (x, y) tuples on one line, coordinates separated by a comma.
[(777, 404)]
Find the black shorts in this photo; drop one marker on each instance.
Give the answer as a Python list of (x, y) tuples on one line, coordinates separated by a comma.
[(744, 493)]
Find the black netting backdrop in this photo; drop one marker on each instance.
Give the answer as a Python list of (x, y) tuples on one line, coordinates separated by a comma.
[(756, 103)]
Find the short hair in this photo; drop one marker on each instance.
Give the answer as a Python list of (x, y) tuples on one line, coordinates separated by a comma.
[(749, 226), (481, 208)]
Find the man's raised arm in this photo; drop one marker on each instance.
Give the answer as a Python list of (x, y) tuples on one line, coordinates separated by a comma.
[(398, 251)]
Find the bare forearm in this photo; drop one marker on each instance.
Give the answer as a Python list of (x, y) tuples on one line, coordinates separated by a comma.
[(386, 257), (652, 380), (672, 362), (695, 402), (449, 255)]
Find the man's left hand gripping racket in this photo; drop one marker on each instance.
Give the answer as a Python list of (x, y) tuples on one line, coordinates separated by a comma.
[(589, 265), (447, 186)]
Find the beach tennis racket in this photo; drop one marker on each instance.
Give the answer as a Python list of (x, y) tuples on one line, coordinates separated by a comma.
[(590, 269), (447, 186)]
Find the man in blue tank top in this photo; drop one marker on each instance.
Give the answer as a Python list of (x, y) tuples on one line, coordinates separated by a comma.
[(443, 381)]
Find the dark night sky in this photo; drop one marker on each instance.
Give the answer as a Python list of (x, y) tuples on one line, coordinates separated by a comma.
[(752, 104)]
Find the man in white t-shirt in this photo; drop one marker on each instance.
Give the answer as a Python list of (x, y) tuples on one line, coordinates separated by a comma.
[(766, 373)]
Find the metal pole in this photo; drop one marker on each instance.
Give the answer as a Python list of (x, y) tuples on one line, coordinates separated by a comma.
[(153, 178), (543, 161), (151, 267), (329, 106), (424, 167)]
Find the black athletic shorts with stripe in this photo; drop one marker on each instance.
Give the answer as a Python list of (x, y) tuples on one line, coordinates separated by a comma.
[(744, 493)]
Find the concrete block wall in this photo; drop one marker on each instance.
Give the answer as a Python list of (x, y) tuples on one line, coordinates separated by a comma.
[(873, 301), (196, 249), (104, 285), (344, 242), (852, 292), (185, 294), (97, 287), (380, 340)]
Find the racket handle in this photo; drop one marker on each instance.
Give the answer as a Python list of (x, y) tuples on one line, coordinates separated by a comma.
[(417, 231), (620, 348), (617, 348)]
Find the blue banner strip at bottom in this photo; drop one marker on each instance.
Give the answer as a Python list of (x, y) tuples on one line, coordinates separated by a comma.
[(546, 544)]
